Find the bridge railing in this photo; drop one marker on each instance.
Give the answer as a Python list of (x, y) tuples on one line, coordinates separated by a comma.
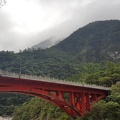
[(48, 79)]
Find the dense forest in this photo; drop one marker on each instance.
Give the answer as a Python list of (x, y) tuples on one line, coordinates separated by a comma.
[(91, 55)]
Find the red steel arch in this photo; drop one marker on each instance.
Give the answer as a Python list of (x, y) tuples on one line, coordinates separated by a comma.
[(75, 100)]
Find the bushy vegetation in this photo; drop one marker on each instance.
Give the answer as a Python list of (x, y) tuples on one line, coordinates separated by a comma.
[(38, 109), (104, 74), (95, 42), (9, 101)]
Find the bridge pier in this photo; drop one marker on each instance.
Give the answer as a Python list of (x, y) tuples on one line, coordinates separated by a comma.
[(88, 101)]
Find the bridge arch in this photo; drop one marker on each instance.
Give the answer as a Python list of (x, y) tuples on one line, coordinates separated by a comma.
[(78, 101)]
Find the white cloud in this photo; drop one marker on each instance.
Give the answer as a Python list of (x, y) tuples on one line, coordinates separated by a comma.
[(24, 23)]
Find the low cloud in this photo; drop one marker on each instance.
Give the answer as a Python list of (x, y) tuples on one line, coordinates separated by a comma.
[(35, 21)]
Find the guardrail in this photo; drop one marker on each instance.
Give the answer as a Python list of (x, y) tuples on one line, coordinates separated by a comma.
[(48, 79)]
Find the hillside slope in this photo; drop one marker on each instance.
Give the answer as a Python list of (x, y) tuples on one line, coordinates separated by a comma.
[(46, 44), (97, 41)]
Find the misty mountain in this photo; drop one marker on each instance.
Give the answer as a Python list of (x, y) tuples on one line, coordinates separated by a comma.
[(46, 44), (97, 41)]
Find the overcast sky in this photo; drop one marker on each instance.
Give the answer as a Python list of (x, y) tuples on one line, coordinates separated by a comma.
[(24, 23)]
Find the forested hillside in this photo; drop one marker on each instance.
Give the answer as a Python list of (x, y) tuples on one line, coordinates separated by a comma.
[(91, 54), (95, 42)]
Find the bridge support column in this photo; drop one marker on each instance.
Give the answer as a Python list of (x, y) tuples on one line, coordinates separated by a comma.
[(88, 101), (72, 99), (60, 94), (83, 103), (77, 100), (94, 97)]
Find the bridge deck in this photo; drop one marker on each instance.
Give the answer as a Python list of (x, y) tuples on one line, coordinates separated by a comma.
[(51, 80)]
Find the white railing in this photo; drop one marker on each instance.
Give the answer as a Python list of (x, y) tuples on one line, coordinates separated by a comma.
[(48, 79)]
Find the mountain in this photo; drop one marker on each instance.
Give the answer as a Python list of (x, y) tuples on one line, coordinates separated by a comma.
[(97, 41), (46, 44), (43, 45)]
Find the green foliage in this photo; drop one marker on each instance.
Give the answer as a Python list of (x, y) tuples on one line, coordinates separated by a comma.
[(9, 101), (6, 110), (113, 110), (101, 74), (39, 109), (95, 42), (116, 88), (115, 94), (99, 110), (49, 62), (106, 111)]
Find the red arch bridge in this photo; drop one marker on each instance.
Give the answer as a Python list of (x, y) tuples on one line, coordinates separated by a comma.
[(73, 98)]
